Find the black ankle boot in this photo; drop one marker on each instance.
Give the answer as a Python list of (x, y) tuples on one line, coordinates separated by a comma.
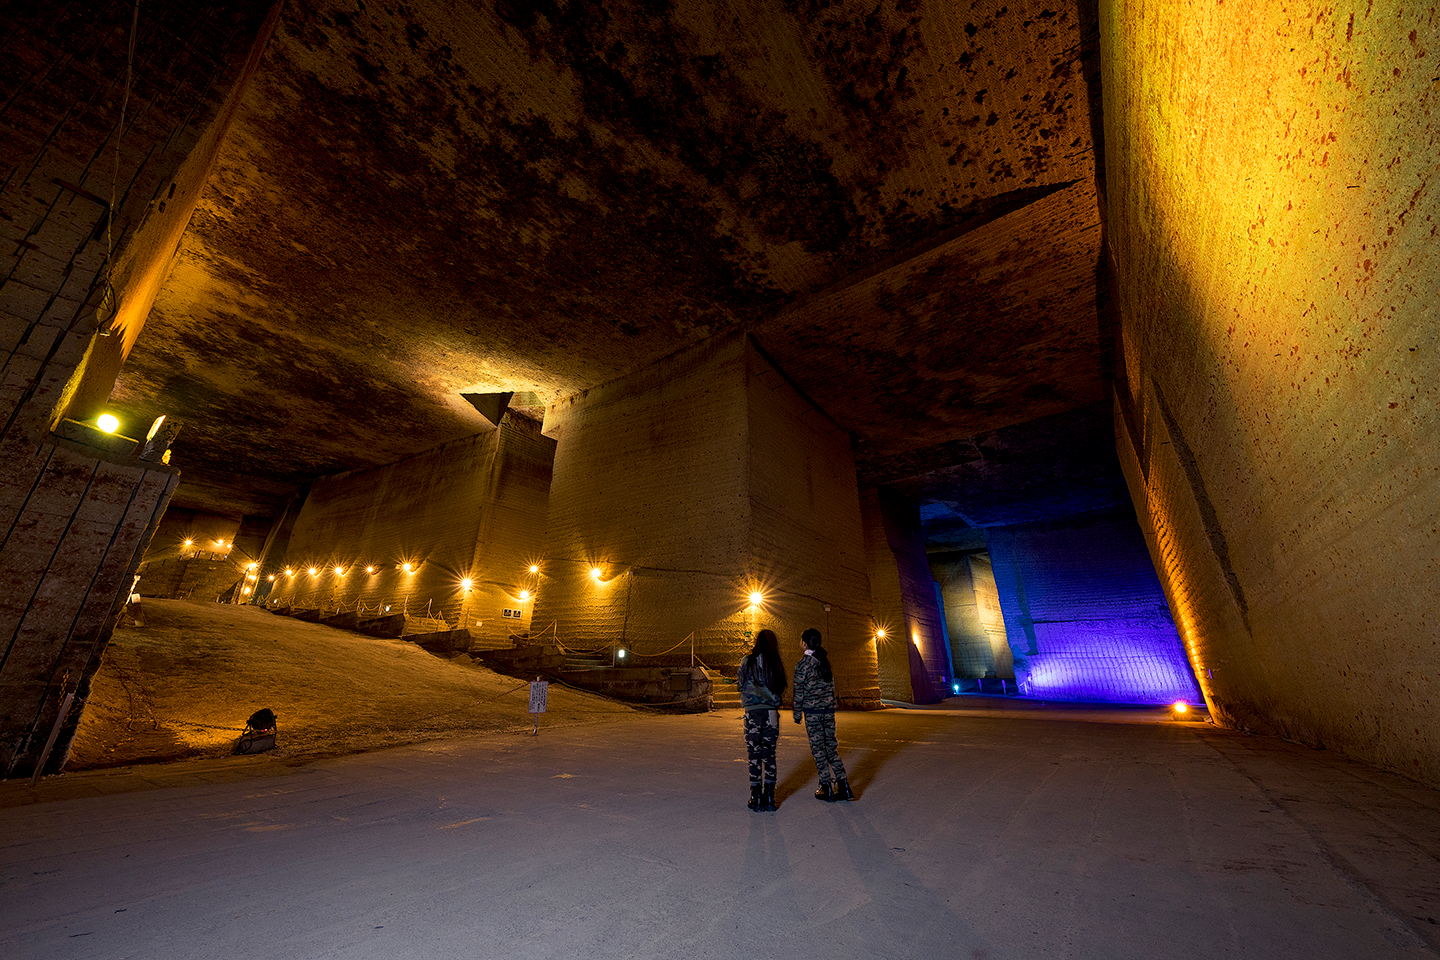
[(842, 790), (768, 799), (756, 798), (824, 793)]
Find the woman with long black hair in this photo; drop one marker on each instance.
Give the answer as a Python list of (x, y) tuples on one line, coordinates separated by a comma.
[(762, 682)]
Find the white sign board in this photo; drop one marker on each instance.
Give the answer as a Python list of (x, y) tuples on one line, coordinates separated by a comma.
[(538, 692)]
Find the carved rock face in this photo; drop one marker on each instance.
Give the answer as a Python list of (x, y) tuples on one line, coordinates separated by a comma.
[(533, 198)]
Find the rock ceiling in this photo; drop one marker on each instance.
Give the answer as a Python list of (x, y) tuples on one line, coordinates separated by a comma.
[(421, 200)]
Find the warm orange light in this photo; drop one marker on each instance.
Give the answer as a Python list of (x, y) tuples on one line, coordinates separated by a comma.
[(246, 590), (465, 584), (1180, 707), (252, 566), (756, 598), (313, 571), (289, 572), (339, 571), (534, 568), (524, 595), (252, 576), (369, 569), (880, 633), (189, 543), (407, 568), (271, 578), (596, 573), (107, 423)]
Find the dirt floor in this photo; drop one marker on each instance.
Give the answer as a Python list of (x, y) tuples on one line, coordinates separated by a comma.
[(184, 684)]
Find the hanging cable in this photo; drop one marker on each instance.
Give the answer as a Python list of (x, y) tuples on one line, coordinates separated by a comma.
[(109, 279)]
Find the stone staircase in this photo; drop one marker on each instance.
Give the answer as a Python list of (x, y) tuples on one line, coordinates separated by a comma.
[(586, 661), (724, 694)]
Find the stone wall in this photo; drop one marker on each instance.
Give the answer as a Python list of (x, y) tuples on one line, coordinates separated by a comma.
[(913, 663), (472, 509), (200, 580), (1085, 614), (690, 485), (68, 559), (1273, 213)]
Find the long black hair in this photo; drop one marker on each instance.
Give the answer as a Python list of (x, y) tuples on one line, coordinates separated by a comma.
[(765, 656), (811, 639)]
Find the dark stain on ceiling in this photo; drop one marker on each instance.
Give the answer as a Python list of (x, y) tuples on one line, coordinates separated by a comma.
[(419, 200)]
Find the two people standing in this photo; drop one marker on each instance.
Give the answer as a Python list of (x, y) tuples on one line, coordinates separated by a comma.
[(762, 684)]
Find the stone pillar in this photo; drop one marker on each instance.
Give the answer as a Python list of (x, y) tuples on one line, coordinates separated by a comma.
[(68, 559), (913, 663), (689, 486), (83, 249), (1272, 218), (972, 612)]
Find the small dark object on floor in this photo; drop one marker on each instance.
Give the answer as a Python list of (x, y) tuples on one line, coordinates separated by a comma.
[(259, 734)]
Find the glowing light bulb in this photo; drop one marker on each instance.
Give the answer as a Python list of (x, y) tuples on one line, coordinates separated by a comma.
[(1180, 707), (289, 572), (756, 598), (407, 568), (524, 595), (534, 568), (107, 423), (465, 584), (369, 569), (339, 571), (596, 573), (313, 571), (880, 633), (620, 653), (189, 543)]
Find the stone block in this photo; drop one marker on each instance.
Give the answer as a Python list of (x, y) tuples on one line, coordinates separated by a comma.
[(110, 493), (444, 641), (92, 436), (24, 300)]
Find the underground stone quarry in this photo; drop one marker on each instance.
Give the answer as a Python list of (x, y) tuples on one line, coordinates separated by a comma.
[(1077, 351)]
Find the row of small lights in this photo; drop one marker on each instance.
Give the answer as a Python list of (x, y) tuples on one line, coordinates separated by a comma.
[(409, 569), (1179, 708), (757, 598)]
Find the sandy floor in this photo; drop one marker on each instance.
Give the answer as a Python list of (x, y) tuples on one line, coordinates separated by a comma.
[(184, 684)]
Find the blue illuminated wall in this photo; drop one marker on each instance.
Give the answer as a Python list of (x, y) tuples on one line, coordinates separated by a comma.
[(1085, 614)]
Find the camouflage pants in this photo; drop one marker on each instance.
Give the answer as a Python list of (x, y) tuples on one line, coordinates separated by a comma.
[(762, 732), (821, 729)]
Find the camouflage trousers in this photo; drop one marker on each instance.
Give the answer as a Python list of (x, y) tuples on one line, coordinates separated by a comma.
[(821, 729), (762, 732)]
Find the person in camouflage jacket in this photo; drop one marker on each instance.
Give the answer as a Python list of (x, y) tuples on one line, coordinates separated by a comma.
[(762, 683), (815, 701)]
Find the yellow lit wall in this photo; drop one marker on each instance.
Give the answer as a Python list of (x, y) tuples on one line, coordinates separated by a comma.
[(1273, 206), (693, 483), (474, 508)]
